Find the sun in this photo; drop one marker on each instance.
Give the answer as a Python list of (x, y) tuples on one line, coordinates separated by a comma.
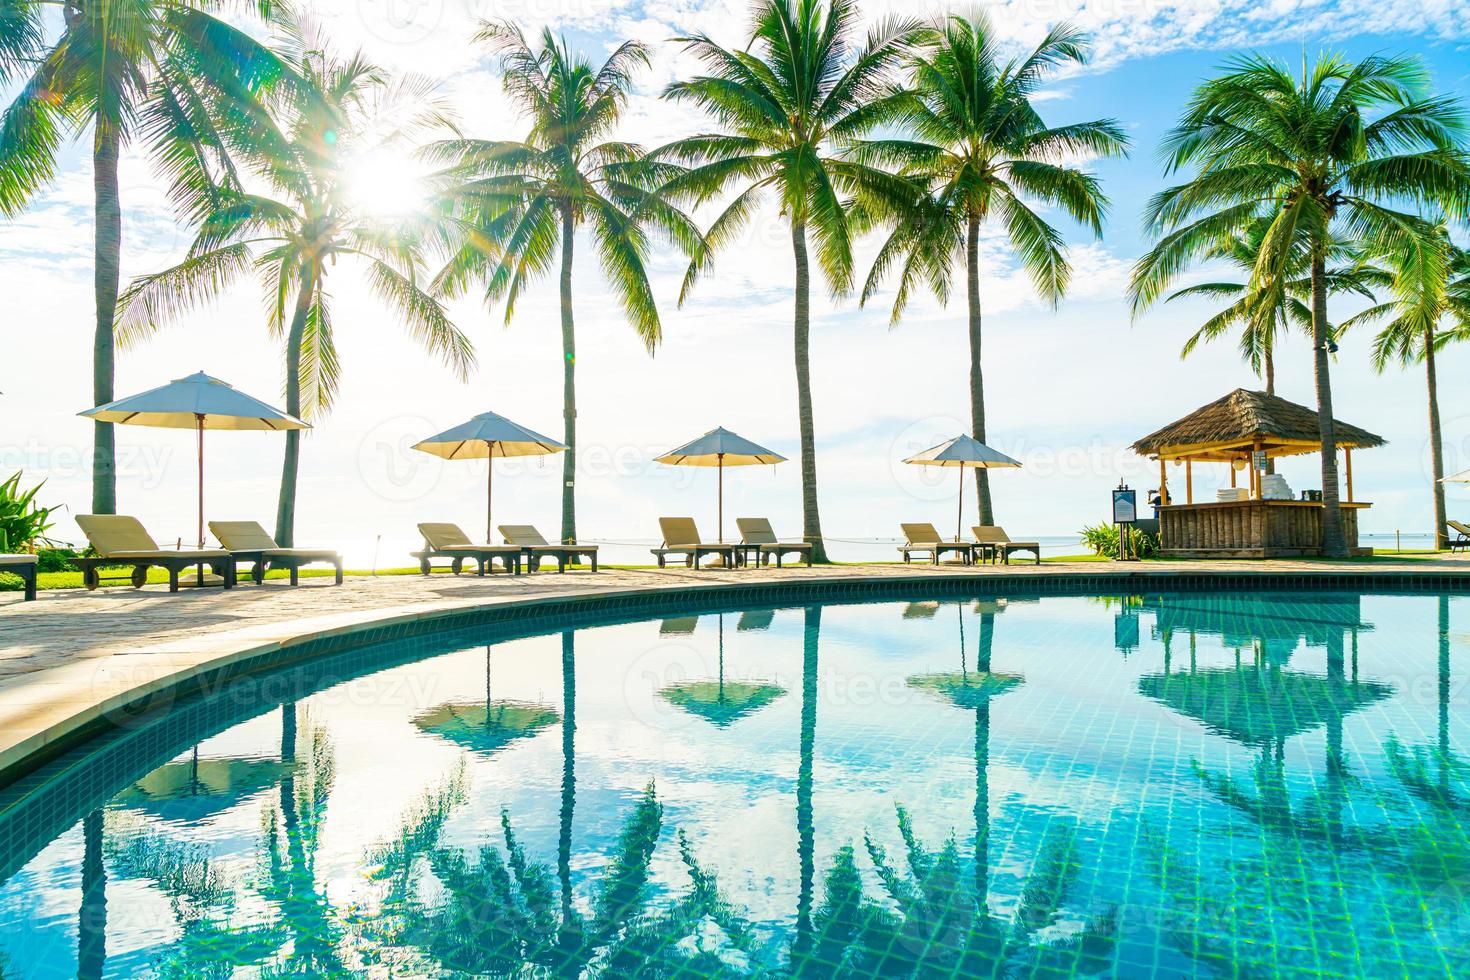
[(388, 183)]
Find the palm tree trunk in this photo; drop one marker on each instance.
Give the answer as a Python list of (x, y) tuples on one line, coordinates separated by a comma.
[(1268, 358), (286, 504), (1436, 443), (107, 258), (1334, 545), (977, 377), (569, 386), (811, 520)]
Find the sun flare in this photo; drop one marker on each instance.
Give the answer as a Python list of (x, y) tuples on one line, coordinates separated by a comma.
[(387, 183)]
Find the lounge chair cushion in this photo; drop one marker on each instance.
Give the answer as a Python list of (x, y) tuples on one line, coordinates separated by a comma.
[(112, 534), (679, 532), (755, 530), (919, 535), (243, 536), (523, 535), (985, 534), (443, 537)]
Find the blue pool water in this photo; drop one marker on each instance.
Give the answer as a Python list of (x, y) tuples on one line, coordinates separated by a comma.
[(1145, 786)]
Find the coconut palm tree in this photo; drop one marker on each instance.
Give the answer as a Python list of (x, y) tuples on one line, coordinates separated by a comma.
[(981, 152), (1429, 306), (291, 234), (1342, 147), (119, 73), (789, 103), (1261, 326), (514, 202)]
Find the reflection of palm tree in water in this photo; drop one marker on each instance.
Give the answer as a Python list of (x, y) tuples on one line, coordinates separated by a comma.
[(92, 919), (805, 830), (929, 921), (1436, 774)]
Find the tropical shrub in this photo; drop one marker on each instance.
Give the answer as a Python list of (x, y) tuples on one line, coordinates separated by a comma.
[(23, 523), (1103, 540)]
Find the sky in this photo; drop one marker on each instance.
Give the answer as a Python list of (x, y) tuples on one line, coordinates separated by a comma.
[(1068, 390)]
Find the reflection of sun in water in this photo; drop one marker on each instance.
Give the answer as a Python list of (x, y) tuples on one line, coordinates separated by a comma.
[(387, 183)]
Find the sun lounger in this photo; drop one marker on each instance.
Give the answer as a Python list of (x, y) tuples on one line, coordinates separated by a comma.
[(121, 540), (1462, 540), (681, 538), (535, 547), (994, 543), (247, 541), (23, 566), (448, 541), (922, 539), (758, 538)]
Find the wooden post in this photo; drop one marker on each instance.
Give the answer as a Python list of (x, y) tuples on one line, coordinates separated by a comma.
[(1189, 481), (1347, 454), (1163, 482), (1255, 473)]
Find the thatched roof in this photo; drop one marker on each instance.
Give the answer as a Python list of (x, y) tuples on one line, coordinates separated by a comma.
[(1240, 418)]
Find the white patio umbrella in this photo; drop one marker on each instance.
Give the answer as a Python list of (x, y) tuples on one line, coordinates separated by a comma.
[(965, 453), (487, 436), (1463, 477), (719, 447), (197, 402)]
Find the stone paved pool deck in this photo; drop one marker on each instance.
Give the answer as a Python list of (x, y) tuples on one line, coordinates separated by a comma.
[(71, 658)]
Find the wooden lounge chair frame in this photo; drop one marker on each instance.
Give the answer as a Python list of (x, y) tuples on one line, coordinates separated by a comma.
[(992, 542), (534, 547), (247, 541), (448, 541), (924, 539), (1462, 542), (757, 537), (25, 567), (681, 537), (120, 540)]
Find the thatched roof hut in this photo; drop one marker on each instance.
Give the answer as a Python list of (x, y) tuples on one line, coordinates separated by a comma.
[(1244, 421)]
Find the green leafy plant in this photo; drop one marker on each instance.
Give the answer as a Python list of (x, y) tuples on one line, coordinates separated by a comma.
[(23, 523), (1103, 540)]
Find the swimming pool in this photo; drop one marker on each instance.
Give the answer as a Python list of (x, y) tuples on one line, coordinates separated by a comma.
[(1157, 786)]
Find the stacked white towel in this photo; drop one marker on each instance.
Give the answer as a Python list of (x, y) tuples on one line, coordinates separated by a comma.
[(1232, 495), (1275, 487)]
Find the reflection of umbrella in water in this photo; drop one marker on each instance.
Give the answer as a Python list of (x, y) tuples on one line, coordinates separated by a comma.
[(199, 788), (719, 702), (486, 727), (1259, 707), (967, 688)]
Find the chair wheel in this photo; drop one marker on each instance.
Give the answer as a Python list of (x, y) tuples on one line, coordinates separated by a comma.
[(91, 579), (424, 565), (457, 565), (140, 577)]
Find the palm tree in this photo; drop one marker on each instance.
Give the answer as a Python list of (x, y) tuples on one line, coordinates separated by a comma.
[(511, 203), (1305, 154), (1429, 285), (980, 151), (1261, 325), (790, 102), (291, 235), (119, 72)]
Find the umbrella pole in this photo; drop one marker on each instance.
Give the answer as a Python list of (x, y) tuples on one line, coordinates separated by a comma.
[(489, 491), (959, 516), (199, 419), (720, 520)]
